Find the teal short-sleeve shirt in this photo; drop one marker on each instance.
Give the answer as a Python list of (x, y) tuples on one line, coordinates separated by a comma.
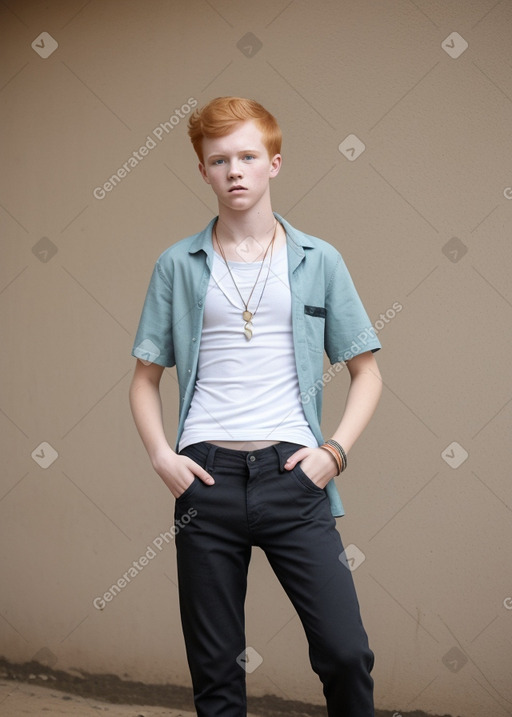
[(327, 316)]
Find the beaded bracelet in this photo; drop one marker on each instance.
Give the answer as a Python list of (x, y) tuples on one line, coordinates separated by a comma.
[(334, 454), (339, 450)]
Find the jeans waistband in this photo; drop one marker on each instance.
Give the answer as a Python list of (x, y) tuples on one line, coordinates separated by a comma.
[(209, 451)]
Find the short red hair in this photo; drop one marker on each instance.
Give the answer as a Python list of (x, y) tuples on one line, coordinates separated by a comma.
[(221, 116)]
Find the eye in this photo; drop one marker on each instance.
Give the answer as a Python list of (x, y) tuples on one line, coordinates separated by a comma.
[(249, 156), (217, 161)]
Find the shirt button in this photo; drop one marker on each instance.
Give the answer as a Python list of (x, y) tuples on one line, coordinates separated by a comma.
[(199, 303), (193, 338)]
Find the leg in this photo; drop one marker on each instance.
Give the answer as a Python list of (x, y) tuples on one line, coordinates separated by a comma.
[(303, 547), (212, 557)]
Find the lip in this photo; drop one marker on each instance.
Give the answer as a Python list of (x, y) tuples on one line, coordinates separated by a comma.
[(238, 188)]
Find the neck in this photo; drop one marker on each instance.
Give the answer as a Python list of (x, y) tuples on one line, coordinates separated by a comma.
[(234, 226)]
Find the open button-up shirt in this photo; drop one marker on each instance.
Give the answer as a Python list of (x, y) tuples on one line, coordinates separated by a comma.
[(327, 316)]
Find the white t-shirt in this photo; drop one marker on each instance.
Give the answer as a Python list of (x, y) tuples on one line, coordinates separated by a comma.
[(247, 390)]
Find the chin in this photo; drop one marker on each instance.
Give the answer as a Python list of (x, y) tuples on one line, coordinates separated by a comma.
[(245, 203)]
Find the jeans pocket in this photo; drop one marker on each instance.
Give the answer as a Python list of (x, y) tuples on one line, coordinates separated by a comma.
[(195, 454), (189, 489), (305, 480)]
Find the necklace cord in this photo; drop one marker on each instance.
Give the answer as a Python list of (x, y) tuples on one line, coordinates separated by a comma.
[(271, 247)]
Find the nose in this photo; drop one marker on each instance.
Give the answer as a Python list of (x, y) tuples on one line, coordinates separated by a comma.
[(235, 170)]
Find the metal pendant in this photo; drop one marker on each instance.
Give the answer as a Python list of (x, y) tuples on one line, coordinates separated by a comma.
[(248, 330)]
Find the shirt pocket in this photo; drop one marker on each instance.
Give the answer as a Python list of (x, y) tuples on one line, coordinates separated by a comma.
[(314, 322)]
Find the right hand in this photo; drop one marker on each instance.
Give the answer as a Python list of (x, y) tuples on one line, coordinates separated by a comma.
[(178, 472)]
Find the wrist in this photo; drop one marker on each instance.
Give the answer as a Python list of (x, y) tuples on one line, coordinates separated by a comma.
[(333, 458), (338, 453), (161, 455)]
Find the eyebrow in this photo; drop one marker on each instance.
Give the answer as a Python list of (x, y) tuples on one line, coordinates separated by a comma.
[(242, 151)]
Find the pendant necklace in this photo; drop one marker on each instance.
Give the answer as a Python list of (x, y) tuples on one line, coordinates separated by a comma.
[(247, 315)]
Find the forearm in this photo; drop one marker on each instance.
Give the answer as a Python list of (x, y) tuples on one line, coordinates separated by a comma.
[(146, 406), (362, 399)]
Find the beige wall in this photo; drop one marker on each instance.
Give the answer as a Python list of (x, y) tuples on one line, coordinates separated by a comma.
[(433, 182)]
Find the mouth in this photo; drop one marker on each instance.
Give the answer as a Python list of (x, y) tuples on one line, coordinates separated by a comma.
[(238, 188)]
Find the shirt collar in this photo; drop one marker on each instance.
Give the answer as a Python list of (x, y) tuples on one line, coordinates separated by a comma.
[(297, 240)]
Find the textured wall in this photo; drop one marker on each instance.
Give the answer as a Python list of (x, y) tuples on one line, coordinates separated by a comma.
[(423, 218)]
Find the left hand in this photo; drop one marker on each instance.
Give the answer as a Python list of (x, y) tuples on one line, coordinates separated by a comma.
[(317, 464)]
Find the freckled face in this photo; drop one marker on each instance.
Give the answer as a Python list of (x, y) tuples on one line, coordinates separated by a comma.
[(238, 167)]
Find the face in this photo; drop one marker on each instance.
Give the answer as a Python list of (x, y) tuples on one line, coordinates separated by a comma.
[(238, 167)]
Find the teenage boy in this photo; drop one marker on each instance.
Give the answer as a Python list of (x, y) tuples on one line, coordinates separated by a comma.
[(245, 310)]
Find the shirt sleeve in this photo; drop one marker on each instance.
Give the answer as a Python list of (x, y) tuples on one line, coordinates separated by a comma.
[(348, 330), (153, 341)]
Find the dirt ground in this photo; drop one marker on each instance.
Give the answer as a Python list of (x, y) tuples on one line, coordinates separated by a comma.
[(23, 699), (35, 690)]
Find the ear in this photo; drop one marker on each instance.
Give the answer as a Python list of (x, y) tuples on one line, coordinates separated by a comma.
[(202, 169), (275, 165)]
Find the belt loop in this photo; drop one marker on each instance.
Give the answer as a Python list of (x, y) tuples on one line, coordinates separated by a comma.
[(280, 459), (210, 458)]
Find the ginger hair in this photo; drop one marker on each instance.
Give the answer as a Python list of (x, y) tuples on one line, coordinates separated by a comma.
[(221, 117)]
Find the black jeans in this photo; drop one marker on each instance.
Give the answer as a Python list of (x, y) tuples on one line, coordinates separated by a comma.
[(255, 501)]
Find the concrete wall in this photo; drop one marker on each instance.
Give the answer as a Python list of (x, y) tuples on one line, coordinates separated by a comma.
[(423, 217)]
